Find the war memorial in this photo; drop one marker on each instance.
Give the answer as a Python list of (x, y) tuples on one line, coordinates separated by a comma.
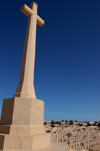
[(21, 125), (22, 119)]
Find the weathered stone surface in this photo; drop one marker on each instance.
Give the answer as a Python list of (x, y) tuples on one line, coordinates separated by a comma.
[(25, 86), (22, 111), (25, 129), (21, 129), (24, 142)]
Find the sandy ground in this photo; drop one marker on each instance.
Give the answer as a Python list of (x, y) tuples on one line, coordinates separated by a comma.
[(56, 146), (59, 146), (96, 148)]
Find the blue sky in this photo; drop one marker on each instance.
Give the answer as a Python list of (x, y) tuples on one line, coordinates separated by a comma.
[(67, 63)]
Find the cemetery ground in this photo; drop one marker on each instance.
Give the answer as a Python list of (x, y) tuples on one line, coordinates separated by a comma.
[(77, 135), (96, 148)]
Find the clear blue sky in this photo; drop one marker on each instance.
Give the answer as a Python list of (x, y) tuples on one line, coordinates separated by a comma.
[(67, 65)]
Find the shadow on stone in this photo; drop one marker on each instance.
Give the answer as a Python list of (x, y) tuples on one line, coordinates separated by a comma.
[(7, 111), (1, 142)]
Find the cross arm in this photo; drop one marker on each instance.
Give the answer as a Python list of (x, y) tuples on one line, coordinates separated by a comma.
[(26, 10), (40, 21)]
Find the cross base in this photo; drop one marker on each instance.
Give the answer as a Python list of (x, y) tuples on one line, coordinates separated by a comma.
[(21, 125), (22, 130), (24, 142)]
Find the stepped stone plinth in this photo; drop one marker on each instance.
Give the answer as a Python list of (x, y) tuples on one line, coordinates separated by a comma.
[(21, 125)]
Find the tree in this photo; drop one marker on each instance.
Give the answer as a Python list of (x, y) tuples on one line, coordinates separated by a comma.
[(99, 125), (66, 121), (52, 123), (71, 122)]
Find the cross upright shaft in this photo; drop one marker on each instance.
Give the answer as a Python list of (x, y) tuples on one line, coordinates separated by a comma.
[(25, 87)]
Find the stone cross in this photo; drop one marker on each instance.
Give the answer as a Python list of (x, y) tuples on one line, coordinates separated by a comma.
[(25, 87), (21, 124)]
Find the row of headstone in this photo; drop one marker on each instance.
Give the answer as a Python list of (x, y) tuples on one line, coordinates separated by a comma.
[(84, 144), (59, 137), (77, 142)]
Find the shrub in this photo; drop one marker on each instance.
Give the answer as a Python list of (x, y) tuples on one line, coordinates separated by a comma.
[(90, 149), (59, 123), (99, 124), (48, 131), (94, 124), (78, 130), (82, 144), (69, 134), (45, 123), (80, 124), (52, 125), (88, 124)]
